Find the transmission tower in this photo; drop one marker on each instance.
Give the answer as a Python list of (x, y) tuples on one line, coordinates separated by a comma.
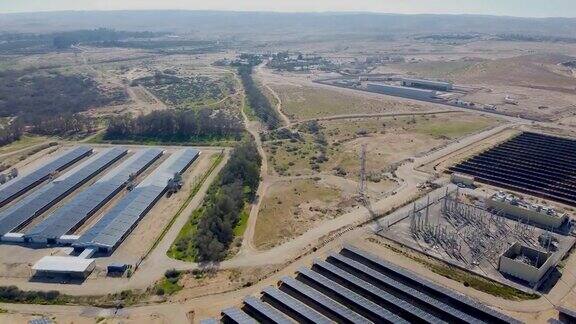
[(362, 189), (362, 185)]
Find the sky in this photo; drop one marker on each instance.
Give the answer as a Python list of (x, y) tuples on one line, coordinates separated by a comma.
[(519, 8)]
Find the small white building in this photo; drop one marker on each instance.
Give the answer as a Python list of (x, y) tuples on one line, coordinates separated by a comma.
[(53, 266), (525, 263)]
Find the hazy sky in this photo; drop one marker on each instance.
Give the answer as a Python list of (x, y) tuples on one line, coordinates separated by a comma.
[(524, 8)]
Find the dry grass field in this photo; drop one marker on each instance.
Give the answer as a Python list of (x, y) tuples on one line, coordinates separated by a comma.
[(291, 208), (301, 103)]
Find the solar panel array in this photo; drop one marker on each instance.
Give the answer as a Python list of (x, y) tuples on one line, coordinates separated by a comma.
[(16, 187), (354, 286), (42, 199), (71, 215), (113, 227), (537, 164)]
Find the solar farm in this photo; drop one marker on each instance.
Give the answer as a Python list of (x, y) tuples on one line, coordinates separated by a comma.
[(532, 163), (88, 199), (354, 286)]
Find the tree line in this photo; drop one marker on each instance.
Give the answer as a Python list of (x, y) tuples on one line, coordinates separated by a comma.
[(175, 125), (257, 100), (236, 185), (10, 132)]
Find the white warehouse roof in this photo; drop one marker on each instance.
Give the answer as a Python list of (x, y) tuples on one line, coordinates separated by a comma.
[(64, 264)]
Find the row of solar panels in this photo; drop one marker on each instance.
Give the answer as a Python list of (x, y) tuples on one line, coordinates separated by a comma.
[(71, 215), (16, 187), (357, 287), (116, 224), (25, 210)]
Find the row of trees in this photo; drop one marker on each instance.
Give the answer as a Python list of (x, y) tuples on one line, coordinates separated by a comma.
[(236, 185), (66, 39), (175, 125), (10, 132), (64, 125), (257, 100)]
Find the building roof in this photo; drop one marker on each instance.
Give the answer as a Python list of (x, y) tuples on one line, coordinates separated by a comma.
[(64, 264)]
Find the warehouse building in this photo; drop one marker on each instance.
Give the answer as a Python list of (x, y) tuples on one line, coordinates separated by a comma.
[(404, 92), (427, 84), (517, 208), (525, 263), (64, 266)]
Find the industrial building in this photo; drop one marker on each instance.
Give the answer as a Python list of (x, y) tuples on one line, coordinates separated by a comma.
[(525, 263), (22, 184), (73, 214), (533, 163), (517, 208), (404, 92), (427, 84), (354, 286), (58, 266), (117, 223), (33, 205)]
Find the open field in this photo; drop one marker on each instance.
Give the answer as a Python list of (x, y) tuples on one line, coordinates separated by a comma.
[(388, 140), (311, 102), (292, 207)]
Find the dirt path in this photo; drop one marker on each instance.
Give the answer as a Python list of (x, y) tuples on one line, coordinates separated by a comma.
[(262, 77)]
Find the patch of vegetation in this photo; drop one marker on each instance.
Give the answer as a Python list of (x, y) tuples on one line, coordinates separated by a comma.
[(10, 131), (210, 229), (240, 227), (35, 97), (176, 126), (11, 294), (257, 100), (187, 92), (169, 284)]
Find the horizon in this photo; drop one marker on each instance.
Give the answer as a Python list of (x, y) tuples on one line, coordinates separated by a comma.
[(513, 8)]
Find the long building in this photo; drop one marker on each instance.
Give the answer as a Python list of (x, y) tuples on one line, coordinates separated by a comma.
[(73, 214), (116, 224), (517, 208), (427, 84), (404, 92), (16, 187), (33, 205)]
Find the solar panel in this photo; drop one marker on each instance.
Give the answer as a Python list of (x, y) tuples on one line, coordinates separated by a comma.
[(265, 310), (295, 305), (16, 187), (210, 321), (42, 199), (425, 283), (238, 316), (376, 310), (341, 312), (71, 215), (388, 298), (113, 227), (408, 291)]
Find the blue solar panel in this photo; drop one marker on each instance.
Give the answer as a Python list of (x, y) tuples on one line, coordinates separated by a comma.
[(120, 220), (389, 298), (238, 316), (85, 204), (372, 308), (14, 188), (265, 310), (343, 313), (42, 199), (425, 283), (295, 305), (411, 292)]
